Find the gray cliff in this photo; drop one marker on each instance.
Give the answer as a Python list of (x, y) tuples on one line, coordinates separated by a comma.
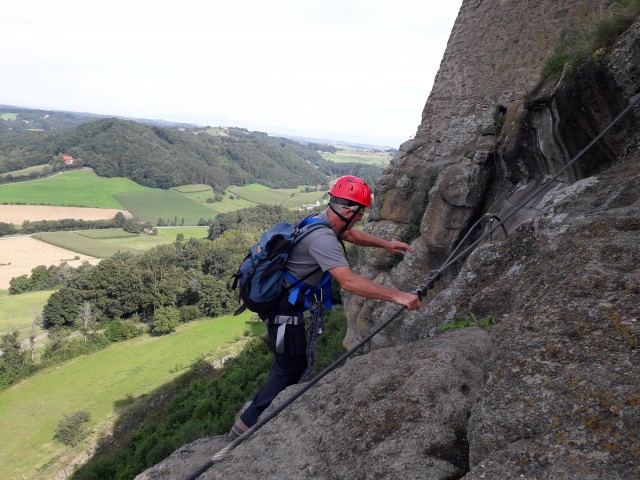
[(551, 390)]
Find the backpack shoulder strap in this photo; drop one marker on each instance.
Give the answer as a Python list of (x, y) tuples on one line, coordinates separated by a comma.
[(310, 223)]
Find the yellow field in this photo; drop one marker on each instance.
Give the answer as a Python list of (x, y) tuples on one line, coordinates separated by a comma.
[(19, 255), (17, 214)]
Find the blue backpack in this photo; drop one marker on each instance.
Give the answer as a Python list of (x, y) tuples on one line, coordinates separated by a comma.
[(261, 274)]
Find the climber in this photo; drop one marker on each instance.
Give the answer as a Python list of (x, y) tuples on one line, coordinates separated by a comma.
[(348, 198)]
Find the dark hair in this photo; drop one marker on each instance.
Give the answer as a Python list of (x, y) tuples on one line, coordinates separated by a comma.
[(343, 201)]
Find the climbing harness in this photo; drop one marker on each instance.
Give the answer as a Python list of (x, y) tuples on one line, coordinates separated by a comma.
[(421, 291)]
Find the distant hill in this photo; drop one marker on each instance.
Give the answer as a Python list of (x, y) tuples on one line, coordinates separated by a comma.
[(337, 143), (164, 157), (162, 154), (21, 119)]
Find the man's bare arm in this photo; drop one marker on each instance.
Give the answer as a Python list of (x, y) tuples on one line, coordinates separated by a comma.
[(366, 288), (364, 239)]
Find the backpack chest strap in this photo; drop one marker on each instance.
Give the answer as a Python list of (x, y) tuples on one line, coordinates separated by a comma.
[(323, 290)]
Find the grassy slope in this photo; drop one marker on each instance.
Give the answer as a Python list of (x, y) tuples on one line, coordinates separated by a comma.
[(25, 171), (188, 202), (153, 204), (142, 243), (250, 196), (16, 311), (79, 187), (290, 198), (103, 243), (30, 410), (78, 243), (379, 159)]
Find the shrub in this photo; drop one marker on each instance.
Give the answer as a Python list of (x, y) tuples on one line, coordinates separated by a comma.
[(118, 330), (60, 348), (70, 430), (189, 312), (575, 46), (554, 65), (471, 321), (165, 320)]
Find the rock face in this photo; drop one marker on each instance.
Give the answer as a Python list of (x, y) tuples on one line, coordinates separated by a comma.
[(370, 421), (551, 390), (454, 170)]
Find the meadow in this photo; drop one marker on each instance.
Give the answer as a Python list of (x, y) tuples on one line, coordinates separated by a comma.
[(377, 158), (286, 197), (26, 171), (186, 204), (237, 197), (153, 204), (106, 242), (17, 311), (19, 255), (76, 188), (101, 383)]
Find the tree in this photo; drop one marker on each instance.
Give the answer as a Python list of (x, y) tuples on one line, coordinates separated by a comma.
[(18, 285), (86, 320), (61, 309), (215, 299), (39, 277), (119, 220), (7, 229), (14, 362)]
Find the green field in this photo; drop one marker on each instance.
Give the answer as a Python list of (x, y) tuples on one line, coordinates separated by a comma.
[(9, 116), (78, 243), (106, 233), (153, 204), (31, 410), (16, 311), (82, 188), (26, 171), (287, 197), (197, 187), (227, 205), (104, 243), (187, 203), (379, 159), (250, 196)]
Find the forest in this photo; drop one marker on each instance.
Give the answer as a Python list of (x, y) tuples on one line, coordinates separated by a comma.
[(161, 157), (158, 289)]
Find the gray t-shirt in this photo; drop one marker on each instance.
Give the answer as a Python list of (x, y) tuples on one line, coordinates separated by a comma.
[(319, 248)]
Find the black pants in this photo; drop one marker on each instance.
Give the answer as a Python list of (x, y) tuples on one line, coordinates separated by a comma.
[(286, 369)]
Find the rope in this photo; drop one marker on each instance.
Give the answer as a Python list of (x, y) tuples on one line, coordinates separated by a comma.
[(315, 329), (433, 277)]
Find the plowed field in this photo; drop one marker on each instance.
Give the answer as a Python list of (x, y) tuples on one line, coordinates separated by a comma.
[(17, 214), (19, 255)]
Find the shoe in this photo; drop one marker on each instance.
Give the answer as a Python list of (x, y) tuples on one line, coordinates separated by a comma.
[(235, 432)]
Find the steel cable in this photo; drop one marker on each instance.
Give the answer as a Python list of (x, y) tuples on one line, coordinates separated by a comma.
[(433, 277)]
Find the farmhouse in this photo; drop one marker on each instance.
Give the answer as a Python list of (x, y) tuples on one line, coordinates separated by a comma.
[(309, 206), (67, 159)]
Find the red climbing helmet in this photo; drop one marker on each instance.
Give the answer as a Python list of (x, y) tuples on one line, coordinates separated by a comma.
[(353, 189)]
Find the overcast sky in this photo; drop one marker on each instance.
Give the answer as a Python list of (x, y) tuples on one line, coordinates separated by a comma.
[(358, 70)]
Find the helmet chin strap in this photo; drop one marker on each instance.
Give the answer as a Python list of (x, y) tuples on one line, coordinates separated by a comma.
[(347, 221)]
